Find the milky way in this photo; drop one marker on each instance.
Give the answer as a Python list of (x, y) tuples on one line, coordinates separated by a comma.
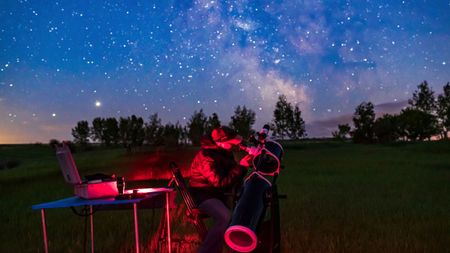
[(66, 61)]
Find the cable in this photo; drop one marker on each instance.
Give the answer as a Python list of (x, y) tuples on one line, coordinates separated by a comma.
[(83, 214)]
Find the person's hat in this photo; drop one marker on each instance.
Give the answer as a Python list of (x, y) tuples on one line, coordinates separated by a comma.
[(225, 134)]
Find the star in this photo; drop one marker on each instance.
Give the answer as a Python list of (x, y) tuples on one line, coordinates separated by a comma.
[(215, 55)]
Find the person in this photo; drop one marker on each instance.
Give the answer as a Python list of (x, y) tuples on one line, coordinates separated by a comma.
[(213, 172)]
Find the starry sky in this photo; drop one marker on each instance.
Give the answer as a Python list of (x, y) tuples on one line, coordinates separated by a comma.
[(66, 61)]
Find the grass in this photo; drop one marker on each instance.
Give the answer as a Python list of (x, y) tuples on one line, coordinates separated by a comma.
[(38, 179), (342, 197), (366, 198)]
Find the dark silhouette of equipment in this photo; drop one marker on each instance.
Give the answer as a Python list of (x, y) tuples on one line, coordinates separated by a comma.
[(194, 214), (251, 229)]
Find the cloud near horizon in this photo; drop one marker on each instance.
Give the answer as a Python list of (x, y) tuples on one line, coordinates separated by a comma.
[(324, 128)]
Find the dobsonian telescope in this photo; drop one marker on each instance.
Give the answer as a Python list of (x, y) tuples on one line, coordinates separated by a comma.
[(251, 228)]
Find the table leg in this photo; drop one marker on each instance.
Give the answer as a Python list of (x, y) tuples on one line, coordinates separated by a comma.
[(92, 228), (169, 241), (44, 229), (136, 227)]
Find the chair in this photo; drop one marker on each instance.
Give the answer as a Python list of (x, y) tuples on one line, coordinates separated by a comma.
[(194, 214)]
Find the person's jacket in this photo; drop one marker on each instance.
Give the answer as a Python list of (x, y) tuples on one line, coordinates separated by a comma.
[(213, 171)]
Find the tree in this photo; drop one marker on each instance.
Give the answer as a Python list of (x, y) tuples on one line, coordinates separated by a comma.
[(416, 124), (171, 134), (80, 133), (196, 126), (242, 120), (131, 131), (154, 130), (97, 129), (443, 110), (212, 122), (342, 132), (423, 108), (184, 134), (363, 121), (297, 127), (105, 131), (287, 120), (110, 131), (423, 99), (386, 128), (282, 116), (137, 131), (53, 143), (124, 132)]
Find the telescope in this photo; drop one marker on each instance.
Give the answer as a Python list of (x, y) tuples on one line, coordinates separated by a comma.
[(258, 194)]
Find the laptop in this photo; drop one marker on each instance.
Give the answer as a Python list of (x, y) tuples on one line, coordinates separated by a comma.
[(92, 189), (67, 165)]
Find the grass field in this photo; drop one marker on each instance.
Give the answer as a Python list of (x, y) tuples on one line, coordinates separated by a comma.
[(342, 197)]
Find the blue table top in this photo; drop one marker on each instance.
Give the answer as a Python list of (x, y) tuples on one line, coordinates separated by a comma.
[(77, 201)]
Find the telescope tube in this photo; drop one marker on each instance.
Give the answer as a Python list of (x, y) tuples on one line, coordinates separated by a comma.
[(249, 211)]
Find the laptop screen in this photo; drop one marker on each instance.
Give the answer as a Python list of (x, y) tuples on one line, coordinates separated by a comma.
[(67, 165)]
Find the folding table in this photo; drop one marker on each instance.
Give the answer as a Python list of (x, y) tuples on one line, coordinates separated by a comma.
[(147, 198)]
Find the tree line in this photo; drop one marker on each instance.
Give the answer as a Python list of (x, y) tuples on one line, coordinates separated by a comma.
[(426, 116), (133, 131)]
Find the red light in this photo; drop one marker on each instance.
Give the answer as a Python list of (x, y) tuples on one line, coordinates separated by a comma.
[(240, 238), (156, 165), (144, 190)]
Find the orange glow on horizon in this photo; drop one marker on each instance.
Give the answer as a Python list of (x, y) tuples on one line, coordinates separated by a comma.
[(12, 138), (38, 133)]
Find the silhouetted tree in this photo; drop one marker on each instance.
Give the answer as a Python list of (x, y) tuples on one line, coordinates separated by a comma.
[(386, 128), (297, 127), (184, 137), (181, 133), (196, 126), (80, 133), (171, 134), (443, 110), (124, 132), (343, 132), (287, 120), (53, 143), (213, 122), (154, 130), (131, 131), (363, 120), (423, 99), (97, 129), (282, 117), (416, 124), (105, 131), (110, 131), (242, 121), (137, 131), (423, 108)]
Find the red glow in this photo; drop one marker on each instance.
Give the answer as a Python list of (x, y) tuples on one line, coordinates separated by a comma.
[(155, 165), (145, 190), (240, 238), (96, 190)]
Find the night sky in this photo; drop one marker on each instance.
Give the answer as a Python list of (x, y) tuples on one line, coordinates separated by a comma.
[(66, 61)]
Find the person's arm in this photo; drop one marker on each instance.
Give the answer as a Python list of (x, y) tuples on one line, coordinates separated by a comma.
[(214, 179)]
